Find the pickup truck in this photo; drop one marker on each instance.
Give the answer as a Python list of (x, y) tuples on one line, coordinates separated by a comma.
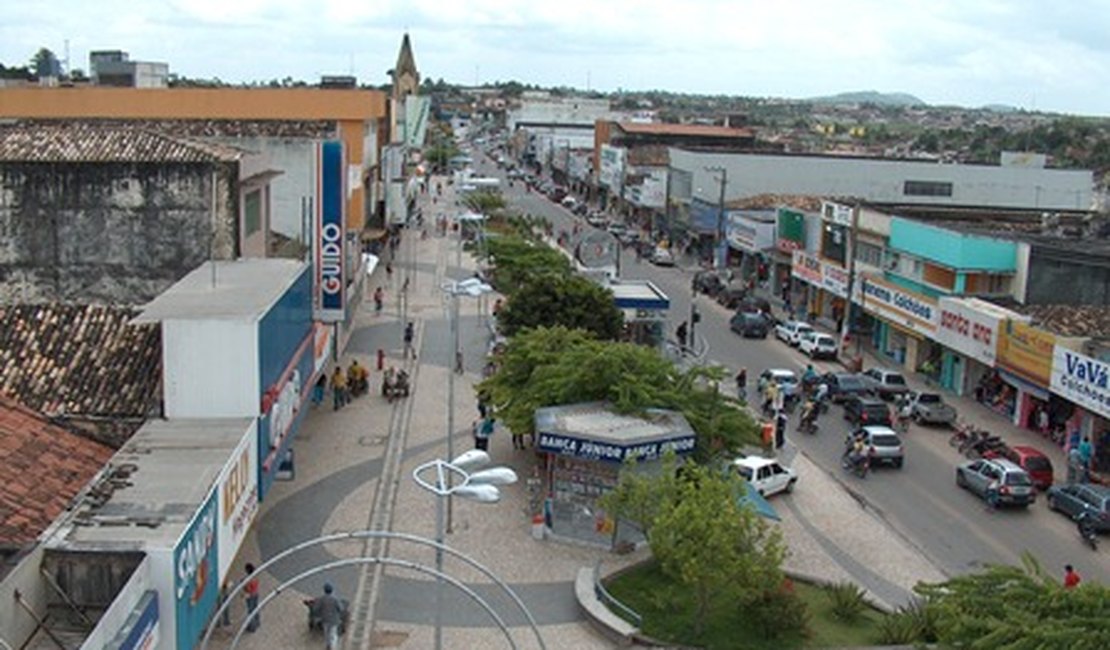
[(930, 408), (887, 384)]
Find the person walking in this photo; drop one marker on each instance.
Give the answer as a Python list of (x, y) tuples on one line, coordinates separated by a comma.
[(410, 333), (1075, 464), (1085, 453), (483, 431), (339, 388), (742, 385), (329, 611), (680, 334), (1071, 577), (379, 299), (319, 388), (250, 591)]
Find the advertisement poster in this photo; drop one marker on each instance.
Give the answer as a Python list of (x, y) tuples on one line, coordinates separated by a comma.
[(901, 306), (195, 581), (238, 492), (1081, 379), (969, 330), (330, 236), (1026, 351)]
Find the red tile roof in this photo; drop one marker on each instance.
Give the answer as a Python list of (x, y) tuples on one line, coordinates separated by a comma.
[(45, 467), (700, 130), (83, 142)]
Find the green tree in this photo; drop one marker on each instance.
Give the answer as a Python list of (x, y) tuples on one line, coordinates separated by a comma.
[(45, 63), (517, 259), (700, 535), (553, 366), (1018, 608), (484, 202), (572, 301)]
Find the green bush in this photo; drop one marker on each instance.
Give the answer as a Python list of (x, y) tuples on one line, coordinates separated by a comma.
[(847, 600), (777, 613), (913, 623)]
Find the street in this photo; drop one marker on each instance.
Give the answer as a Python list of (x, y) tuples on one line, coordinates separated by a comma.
[(950, 526)]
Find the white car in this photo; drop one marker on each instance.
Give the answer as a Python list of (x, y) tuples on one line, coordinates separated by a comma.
[(816, 345), (791, 331), (662, 257), (766, 475)]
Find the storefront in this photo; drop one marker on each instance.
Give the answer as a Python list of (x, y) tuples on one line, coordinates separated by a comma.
[(969, 330), (906, 323), (750, 235), (790, 236), (584, 447), (1022, 377), (1085, 382), (825, 290)]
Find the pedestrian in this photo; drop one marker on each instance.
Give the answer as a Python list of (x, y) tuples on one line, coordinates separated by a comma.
[(319, 388), (1071, 577), (1075, 465), (378, 300), (250, 590), (225, 618), (483, 431), (1042, 421), (339, 388), (410, 332), (389, 271), (742, 385), (329, 611), (780, 430), (993, 494), (680, 334), (1085, 453)]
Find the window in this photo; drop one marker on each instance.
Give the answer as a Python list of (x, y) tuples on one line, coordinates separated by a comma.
[(252, 213), (869, 253), (927, 188)]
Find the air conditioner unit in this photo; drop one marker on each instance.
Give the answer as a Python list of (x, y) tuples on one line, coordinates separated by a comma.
[(891, 264)]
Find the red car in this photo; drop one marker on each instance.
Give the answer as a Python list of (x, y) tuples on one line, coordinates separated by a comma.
[(1036, 464)]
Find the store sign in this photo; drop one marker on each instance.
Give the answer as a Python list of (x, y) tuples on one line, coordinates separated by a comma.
[(196, 585), (830, 277), (1081, 379), (1026, 351), (609, 452), (906, 308), (238, 492), (141, 630), (791, 231), (968, 330), (836, 213), (748, 234), (612, 167), (329, 240)]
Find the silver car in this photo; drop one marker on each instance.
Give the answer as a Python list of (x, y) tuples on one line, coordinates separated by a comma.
[(1012, 482), (883, 444)]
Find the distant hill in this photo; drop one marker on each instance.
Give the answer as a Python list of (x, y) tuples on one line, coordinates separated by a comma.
[(870, 97), (1000, 108)]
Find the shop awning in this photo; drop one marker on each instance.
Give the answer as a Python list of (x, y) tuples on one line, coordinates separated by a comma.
[(1018, 382), (753, 498)]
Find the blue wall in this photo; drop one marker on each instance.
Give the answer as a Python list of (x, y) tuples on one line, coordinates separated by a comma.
[(952, 249), (704, 217), (284, 328)]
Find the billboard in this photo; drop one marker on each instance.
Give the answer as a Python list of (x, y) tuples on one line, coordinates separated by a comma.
[(195, 565), (1082, 380), (970, 328), (329, 239), (904, 307), (791, 230), (238, 495), (1026, 351)]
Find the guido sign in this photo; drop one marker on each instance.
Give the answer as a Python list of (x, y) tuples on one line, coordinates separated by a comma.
[(329, 239), (1081, 379)]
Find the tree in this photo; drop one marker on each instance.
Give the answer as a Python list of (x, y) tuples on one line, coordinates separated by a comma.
[(699, 533), (553, 366), (572, 301), (518, 259), (1012, 608), (484, 202), (46, 64)]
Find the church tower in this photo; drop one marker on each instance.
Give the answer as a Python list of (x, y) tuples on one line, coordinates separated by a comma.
[(406, 80)]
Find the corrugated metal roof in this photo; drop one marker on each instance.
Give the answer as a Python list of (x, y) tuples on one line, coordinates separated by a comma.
[(701, 130), (87, 143)]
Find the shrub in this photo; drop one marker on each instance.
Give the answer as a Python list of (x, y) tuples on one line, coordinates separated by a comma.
[(847, 600), (776, 613)]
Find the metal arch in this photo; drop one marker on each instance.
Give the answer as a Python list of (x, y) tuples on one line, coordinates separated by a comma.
[(364, 534), (4, 644), (354, 562)]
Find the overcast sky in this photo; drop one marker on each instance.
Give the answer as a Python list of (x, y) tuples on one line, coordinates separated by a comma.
[(1052, 56)]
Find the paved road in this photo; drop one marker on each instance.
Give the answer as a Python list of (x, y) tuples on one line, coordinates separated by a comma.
[(951, 526)]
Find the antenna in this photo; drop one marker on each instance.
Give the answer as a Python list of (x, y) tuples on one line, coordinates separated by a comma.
[(67, 56)]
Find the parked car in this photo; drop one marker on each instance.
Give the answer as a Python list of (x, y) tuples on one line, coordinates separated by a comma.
[(708, 282), (816, 345), (569, 202), (930, 408), (580, 209), (863, 411), (1076, 499), (1029, 459), (1014, 485), (596, 219), (887, 384), (843, 385), (786, 379), (749, 325), (766, 475), (791, 331), (731, 297), (662, 257), (883, 445), (756, 304), (616, 229)]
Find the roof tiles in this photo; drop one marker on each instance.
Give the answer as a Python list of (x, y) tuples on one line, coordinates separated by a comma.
[(90, 143), (45, 467)]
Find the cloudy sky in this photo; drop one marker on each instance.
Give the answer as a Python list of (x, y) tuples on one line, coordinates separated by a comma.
[(1052, 56)]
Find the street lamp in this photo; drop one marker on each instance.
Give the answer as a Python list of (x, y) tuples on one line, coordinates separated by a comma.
[(472, 287), (472, 483)]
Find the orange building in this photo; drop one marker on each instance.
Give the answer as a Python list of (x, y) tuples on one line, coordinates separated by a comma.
[(360, 116)]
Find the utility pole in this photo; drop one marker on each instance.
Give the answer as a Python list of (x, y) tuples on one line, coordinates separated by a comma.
[(846, 325), (719, 235)]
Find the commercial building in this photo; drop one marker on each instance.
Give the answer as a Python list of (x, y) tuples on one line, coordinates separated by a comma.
[(115, 68)]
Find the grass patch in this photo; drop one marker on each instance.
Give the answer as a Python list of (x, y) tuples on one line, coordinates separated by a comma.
[(668, 612)]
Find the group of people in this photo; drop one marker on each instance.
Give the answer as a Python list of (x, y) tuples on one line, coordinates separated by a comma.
[(345, 385)]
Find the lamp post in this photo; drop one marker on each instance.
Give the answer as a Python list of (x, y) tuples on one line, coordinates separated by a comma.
[(437, 476), (474, 288)]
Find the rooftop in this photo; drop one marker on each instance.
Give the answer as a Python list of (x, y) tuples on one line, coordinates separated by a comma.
[(153, 485), (45, 467), (86, 143), (684, 130), (1070, 320), (597, 421), (224, 290), (81, 360), (803, 202), (200, 128)]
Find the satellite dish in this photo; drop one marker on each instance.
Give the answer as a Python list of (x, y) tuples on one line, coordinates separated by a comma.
[(597, 249)]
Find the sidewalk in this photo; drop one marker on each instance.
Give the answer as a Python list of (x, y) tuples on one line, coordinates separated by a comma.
[(341, 456)]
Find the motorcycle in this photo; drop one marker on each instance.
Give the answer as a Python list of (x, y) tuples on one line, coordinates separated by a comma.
[(1087, 531), (807, 422), (984, 444), (858, 464)]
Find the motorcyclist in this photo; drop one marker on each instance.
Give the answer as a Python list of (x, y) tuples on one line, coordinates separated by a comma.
[(821, 394), (809, 377), (808, 416), (1086, 526), (905, 413)]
